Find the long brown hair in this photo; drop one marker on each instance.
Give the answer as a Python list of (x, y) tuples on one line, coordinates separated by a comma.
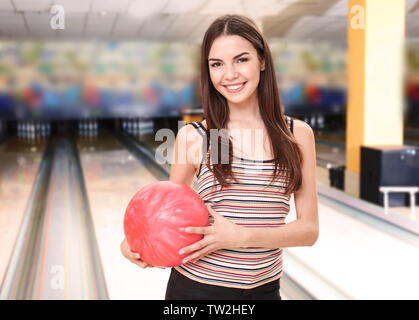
[(287, 155)]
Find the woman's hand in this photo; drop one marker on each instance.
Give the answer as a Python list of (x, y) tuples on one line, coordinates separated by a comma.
[(222, 234), (133, 256)]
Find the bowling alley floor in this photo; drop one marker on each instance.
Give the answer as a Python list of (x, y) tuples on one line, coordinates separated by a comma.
[(19, 162), (112, 176)]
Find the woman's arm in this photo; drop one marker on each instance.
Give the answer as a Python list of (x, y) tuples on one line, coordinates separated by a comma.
[(183, 167)]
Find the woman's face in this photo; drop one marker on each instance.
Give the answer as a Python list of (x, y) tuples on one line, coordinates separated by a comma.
[(235, 68)]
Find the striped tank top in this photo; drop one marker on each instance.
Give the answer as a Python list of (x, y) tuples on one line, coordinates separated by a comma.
[(249, 203)]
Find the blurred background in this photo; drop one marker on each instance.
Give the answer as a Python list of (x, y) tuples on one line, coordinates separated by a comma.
[(86, 84)]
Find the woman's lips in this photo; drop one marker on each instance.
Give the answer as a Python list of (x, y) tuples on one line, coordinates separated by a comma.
[(235, 90)]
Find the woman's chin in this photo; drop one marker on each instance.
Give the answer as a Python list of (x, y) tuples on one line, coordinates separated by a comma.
[(238, 100)]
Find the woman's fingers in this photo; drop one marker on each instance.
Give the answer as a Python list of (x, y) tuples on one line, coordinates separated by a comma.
[(198, 254), (199, 230), (140, 263), (135, 257), (197, 250), (195, 246)]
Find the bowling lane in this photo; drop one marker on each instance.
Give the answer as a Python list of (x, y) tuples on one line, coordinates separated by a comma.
[(112, 176), (364, 260), (19, 162)]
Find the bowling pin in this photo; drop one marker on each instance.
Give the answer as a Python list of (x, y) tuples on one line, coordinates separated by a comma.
[(313, 121), (129, 126), (321, 122)]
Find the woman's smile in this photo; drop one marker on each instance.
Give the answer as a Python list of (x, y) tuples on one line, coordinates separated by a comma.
[(235, 88)]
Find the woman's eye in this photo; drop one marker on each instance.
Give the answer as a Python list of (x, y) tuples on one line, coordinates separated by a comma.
[(215, 64), (242, 60)]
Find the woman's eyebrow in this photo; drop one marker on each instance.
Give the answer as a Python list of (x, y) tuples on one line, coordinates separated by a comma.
[(239, 55)]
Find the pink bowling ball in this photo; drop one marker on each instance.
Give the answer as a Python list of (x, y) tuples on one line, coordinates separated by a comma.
[(154, 218)]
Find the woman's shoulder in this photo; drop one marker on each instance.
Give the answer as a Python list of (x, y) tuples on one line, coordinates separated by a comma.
[(302, 131)]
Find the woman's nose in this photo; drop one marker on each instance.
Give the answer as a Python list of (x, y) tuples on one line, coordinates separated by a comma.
[(230, 73)]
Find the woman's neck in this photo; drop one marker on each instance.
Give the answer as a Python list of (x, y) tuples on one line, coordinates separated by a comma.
[(245, 114)]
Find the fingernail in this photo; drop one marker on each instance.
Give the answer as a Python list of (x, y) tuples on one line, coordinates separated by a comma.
[(181, 251), (181, 229)]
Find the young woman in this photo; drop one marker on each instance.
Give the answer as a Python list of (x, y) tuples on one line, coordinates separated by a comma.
[(240, 255)]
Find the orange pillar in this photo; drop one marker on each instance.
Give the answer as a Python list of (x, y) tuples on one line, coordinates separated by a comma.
[(376, 30)]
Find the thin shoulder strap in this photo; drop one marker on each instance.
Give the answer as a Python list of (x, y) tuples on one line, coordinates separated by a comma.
[(199, 127), (290, 122), (202, 131)]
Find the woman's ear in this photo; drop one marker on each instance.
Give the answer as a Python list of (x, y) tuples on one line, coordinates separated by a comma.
[(262, 65)]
